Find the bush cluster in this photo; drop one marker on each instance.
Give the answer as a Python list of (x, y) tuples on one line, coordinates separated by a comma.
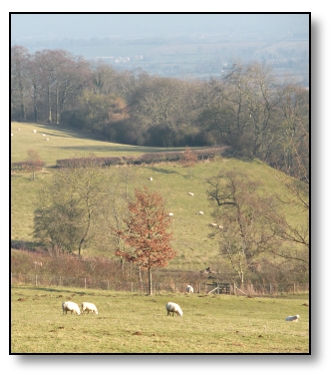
[(147, 158)]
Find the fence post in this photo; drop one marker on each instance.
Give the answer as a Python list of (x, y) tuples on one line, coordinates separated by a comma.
[(85, 283), (108, 283), (36, 279), (269, 288), (60, 281), (217, 288), (294, 288), (234, 289), (131, 286)]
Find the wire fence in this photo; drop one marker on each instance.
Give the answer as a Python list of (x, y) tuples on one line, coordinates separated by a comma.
[(161, 287)]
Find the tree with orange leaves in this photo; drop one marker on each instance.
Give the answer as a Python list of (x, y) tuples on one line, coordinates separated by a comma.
[(189, 160), (146, 236)]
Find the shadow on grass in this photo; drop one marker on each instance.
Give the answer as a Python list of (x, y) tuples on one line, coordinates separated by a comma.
[(164, 171), (49, 289), (26, 245)]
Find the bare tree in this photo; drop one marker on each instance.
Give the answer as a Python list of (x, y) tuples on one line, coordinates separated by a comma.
[(34, 162), (243, 236), (19, 83)]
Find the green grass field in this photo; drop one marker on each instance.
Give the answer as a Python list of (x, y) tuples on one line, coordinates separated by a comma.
[(195, 250), (133, 323)]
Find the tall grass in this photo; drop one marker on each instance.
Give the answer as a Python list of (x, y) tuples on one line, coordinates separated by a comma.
[(132, 323)]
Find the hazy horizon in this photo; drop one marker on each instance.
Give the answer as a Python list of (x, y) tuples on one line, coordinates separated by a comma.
[(92, 25)]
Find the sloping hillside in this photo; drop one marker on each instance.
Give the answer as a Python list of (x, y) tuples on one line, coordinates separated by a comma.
[(195, 250)]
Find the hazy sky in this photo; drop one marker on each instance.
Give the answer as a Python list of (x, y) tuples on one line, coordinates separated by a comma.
[(86, 26)]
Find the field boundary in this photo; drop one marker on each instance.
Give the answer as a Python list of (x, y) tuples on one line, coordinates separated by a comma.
[(161, 287)]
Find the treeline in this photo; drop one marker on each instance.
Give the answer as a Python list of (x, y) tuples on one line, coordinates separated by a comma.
[(246, 109)]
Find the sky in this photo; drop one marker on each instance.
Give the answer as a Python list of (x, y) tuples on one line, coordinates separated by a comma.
[(86, 26)]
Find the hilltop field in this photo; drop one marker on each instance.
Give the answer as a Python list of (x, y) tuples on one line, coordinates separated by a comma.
[(190, 230)]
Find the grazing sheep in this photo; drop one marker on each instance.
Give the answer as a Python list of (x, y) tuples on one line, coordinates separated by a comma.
[(189, 289), (173, 308), (220, 227), (150, 179), (46, 138), (190, 194), (200, 213), (293, 318), (170, 214), (70, 306), (34, 131), (85, 306), (43, 134), (213, 224), (18, 129)]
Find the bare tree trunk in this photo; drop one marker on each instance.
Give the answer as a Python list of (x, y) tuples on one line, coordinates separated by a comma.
[(57, 104), (49, 105), (150, 288), (139, 274)]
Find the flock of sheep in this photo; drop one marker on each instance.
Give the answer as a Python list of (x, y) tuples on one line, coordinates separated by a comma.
[(171, 308), (34, 132)]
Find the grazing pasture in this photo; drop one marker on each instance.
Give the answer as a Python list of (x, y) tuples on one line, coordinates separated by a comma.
[(190, 230), (132, 323)]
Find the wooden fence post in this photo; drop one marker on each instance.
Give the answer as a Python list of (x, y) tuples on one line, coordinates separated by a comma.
[(36, 279), (85, 283)]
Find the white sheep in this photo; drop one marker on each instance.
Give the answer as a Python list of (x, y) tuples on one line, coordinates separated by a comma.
[(170, 214), (213, 224), (70, 306), (150, 179), (46, 138), (34, 131), (85, 306), (18, 129), (173, 308), (293, 318), (200, 213), (189, 289), (43, 134), (190, 194)]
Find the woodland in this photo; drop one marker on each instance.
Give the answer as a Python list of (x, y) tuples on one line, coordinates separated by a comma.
[(247, 108)]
